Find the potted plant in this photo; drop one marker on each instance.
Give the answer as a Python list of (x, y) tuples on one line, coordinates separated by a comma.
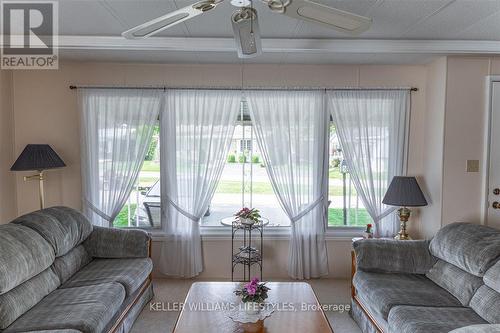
[(248, 216), (253, 295)]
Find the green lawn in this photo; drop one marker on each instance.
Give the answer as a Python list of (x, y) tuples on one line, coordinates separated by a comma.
[(335, 217), (234, 187), (147, 181), (334, 173), (151, 166), (121, 220)]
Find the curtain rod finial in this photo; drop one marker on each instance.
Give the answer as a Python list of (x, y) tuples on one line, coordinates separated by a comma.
[(414, 89), (72, 87)]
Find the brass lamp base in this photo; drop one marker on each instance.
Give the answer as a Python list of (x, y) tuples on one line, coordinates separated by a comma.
[(39, 177), (403, 214)]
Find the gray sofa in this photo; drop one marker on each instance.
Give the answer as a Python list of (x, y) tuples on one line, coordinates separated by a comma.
[(58, 273), (451, 283)]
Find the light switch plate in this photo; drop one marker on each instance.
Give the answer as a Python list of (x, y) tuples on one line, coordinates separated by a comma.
[(472, 165)]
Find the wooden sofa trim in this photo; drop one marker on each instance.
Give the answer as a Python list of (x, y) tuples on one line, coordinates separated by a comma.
[(356, 299), (142, 289)]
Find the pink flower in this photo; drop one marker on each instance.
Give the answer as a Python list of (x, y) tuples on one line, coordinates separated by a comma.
[(251, 289), (254, 281)]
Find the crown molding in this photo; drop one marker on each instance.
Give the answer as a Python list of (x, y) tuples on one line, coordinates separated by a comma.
[(281, 45)]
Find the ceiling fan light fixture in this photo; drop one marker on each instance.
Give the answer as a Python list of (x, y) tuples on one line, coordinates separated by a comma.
[(246, 32)]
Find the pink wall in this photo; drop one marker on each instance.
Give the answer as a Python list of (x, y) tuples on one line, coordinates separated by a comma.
[(8, 209), (431, 180), (464, 137)]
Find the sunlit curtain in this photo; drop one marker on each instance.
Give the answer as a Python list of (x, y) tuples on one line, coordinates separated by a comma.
[(371, 125), (116, 128), (292, 131), (196, 131)]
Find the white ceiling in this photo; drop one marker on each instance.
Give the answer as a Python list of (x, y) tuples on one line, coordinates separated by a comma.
[(392, 19)]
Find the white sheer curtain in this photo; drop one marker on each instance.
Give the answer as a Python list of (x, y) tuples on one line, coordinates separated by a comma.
[(292, 131), (371, 125), (116, 127), (195, 132)]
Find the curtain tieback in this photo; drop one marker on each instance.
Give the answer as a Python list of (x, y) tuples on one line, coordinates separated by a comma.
[(307, 210), (97, 210), (182, 211)]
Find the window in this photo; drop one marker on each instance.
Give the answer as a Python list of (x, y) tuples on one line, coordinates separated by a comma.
[(345, 207), (244, 180), (245, 145), (143, 205)]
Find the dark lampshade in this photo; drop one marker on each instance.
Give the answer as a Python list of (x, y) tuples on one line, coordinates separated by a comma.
[(404, 191), (37, 157)]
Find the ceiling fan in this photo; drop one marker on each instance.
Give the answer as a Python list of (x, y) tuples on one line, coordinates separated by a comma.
[(245, 20)]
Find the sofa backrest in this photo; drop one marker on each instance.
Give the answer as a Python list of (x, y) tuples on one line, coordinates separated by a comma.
[(486, 301), (469, 266), (471, 247), (38, 252), (62, 227)]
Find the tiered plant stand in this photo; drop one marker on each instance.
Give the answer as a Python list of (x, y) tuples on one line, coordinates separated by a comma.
[(246, 253)]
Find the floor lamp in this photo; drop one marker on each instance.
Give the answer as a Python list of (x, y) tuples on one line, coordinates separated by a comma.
[(36, 157)]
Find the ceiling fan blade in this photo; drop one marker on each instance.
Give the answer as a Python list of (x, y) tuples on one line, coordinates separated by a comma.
[(166, 21), (327, 16), (246, 32)]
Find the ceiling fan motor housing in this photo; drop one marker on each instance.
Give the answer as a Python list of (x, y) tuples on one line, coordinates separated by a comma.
[(241, 3)]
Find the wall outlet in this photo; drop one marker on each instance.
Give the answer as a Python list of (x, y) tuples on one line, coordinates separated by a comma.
[(472, 165)]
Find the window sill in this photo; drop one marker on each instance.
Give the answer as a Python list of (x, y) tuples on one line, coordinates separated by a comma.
[(271, 233)]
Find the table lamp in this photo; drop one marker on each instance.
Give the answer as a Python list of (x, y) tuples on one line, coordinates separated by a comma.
[(37, 157), (404, 192)]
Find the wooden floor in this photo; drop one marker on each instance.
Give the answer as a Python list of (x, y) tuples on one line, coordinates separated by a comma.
[(161, 314)]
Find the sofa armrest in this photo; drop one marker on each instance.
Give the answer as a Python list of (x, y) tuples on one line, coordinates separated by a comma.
[(393, 256), (118, 243)]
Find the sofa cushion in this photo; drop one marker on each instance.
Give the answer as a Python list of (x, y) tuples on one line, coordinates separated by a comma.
[(87, 309), (393, 256), (26, 295), (418, 319), (70, 263), (472, 247), (118, 243), (64, 228), (131, 273), (380, 292), (486, 302), (492, 277), (456, 281), (23, 254)]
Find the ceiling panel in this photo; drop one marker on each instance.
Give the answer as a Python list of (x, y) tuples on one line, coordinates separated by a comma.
[(133, 13), (448, 23), (80, 17), (393, 17), (486, 29)]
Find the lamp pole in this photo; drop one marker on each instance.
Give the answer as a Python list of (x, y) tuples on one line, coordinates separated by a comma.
[(343, 170)]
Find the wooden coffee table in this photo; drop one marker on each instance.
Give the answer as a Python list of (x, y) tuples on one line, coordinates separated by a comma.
[(297, 310)]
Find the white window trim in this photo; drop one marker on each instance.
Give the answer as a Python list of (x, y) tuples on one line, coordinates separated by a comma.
[(270, 233)]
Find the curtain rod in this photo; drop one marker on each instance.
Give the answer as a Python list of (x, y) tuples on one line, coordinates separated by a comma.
[(72, 87)]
